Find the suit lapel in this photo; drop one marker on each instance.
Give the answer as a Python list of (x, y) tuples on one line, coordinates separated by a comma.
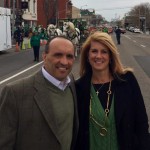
[(42, 97), (75, 122)]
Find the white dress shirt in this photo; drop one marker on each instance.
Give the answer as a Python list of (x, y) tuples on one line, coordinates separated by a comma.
[(60, 84)]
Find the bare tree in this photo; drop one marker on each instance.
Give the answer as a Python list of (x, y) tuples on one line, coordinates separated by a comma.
[(140, 15), (49, 9)]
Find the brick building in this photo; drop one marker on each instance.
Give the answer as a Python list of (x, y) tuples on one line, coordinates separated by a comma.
[(39, 12), (53, 11)]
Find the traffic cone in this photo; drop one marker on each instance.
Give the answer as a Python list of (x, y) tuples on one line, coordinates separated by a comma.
[(23, 46), (17, 47)]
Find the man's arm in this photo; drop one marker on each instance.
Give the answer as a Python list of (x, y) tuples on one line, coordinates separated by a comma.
[(8, 119)]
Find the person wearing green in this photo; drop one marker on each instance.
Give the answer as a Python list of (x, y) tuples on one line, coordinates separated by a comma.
[(35, 44), (112, 114), (105, 29)]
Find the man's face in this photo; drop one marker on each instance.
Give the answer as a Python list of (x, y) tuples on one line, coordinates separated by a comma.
[(59, 60)]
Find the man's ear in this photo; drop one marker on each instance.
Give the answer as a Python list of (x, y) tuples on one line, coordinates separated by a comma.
[(43, 55)]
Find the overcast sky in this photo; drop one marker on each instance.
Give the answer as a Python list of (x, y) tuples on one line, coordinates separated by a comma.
[(109, 9)]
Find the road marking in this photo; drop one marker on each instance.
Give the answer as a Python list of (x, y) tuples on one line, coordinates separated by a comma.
[(127, 37), (143, 45), (1, 82), (135, 41)]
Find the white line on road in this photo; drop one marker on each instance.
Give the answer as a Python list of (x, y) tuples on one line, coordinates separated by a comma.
[(134, 41), (143, 45), (127, 37), (1, 82)]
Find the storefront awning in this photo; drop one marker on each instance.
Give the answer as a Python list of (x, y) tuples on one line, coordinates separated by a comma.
[(29, 17)]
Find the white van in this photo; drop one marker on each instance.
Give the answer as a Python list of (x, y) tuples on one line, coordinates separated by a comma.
[(5, 29)]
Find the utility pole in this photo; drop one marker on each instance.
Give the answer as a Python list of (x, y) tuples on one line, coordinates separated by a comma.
[(67, 9), (145, 19), (13, 18), (56, 12), (139, 19)]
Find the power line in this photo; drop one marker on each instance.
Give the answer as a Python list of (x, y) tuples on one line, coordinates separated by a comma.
[(113, 8)]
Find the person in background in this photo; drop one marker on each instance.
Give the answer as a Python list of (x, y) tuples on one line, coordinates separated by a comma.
[(30, 33), (35, 44), (118, 34), (112, 114), (105, 29), (40, 112), (18, 36)]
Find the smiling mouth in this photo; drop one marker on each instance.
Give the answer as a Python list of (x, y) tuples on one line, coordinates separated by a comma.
[(62, 68), (99, 61)]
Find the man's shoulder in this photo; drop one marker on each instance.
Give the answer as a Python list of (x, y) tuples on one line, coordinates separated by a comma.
[(24, 82), (21, 82)]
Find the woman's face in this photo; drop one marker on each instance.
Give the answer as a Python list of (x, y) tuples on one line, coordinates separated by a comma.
[(99, 57)]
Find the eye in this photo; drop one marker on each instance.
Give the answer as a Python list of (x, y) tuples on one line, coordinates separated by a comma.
[(58, 55), (93, 50), (70, 56), (105, 51)]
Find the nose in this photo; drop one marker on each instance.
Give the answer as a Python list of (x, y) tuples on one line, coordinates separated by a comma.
[(99, 54), (64, 60)]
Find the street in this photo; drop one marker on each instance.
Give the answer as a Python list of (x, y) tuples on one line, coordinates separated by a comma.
[(134, 52)]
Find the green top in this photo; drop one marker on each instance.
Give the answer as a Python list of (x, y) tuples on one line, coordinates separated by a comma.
[(100, 123), (35, 40), (105, 30)]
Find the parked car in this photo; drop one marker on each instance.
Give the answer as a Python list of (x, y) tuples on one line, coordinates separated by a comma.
[(123, 30), (136, 30), (131, 29)]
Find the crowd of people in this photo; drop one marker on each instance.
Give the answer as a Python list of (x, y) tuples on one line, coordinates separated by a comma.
[(36, 37), (102, 110)]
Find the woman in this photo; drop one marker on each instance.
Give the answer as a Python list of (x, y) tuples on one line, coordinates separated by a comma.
[(112, 114), (35, 43)]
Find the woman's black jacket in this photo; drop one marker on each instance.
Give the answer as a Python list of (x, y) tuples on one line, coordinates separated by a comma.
[(130, 113)]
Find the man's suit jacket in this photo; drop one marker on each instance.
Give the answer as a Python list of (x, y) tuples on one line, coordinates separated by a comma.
[(27, 119)]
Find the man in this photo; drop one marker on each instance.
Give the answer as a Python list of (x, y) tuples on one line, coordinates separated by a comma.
[(118, 34), (18, 36), (39, 112)]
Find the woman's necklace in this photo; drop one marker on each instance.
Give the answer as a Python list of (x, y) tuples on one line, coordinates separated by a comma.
[(97, 90), (103, 130), (108, 99)]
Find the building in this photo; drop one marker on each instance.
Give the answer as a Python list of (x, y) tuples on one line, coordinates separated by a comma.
[(38, 12), (75, 12), (88, 15), (29, 12), (53, 11)]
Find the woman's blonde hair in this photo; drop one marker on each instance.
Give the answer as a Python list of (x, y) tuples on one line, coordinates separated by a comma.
[(116, 66)]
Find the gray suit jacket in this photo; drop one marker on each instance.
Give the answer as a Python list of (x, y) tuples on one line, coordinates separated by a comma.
[(27, 119)]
